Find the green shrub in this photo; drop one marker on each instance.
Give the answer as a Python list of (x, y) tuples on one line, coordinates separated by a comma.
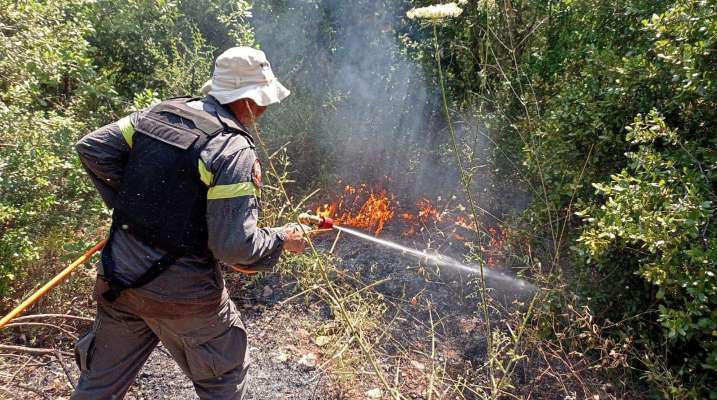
[(68, 67), (648, 244), (44, 197), (560, 82), (165, 45), (654, 221)]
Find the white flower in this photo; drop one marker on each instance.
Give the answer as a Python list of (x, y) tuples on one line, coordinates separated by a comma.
[(462, 2), (439, 11), (487, 5)]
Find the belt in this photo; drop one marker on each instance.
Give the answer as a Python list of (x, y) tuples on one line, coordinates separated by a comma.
[(133, 302)]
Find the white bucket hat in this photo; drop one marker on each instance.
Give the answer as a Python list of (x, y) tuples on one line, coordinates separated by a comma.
[(243, 72)]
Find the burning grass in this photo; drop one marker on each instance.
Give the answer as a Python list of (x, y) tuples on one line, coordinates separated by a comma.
[(361, 207), (375, 208)]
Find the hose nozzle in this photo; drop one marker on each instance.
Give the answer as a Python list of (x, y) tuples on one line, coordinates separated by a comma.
[(320, 222)]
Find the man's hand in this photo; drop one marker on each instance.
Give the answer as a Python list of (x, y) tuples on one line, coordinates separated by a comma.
[(294, 234)]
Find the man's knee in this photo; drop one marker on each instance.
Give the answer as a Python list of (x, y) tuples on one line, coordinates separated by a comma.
[(218, 365), (231, 385)]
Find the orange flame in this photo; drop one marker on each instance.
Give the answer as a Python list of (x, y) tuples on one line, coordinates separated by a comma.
[(372, 213), (427, 211), (364, 207), (369, 208)]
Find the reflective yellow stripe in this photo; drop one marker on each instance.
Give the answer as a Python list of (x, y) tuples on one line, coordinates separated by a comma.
[(205, 174), (127, 129), (233, 190)]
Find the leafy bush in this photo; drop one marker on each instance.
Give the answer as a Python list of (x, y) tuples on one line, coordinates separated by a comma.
[(44, 197), (620, 94), (651, 214), (654, 221), (165, 45), (69, 67)]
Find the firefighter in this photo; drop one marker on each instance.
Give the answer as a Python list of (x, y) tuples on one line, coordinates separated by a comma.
[(183, 181)]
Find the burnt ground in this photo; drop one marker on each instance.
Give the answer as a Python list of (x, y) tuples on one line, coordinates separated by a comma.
[(283, 356), (288, 361), (279, 345), (284, 349)]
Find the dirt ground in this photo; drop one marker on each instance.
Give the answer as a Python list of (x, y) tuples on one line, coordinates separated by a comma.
[(279, 345), (277, 370), (287, 360)]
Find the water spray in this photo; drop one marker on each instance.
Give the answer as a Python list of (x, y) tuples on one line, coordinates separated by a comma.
[(429, 258)]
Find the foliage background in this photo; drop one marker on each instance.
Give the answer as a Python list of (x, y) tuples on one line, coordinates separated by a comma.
[(604, 111), (611, 108)]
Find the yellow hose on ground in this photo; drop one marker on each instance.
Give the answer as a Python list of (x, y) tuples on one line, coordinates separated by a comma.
[(51, 283), (67, 271)]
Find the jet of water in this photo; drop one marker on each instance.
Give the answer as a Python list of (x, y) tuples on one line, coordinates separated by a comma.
[(442, 260)]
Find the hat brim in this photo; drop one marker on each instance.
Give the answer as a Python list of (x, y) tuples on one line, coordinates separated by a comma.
[(263, 94)]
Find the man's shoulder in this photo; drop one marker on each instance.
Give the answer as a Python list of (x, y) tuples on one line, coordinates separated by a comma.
[(231, 142), (211, 106), (189, 112), (225, 145)]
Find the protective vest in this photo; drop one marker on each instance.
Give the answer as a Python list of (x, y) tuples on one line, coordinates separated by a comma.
[(162, 201)]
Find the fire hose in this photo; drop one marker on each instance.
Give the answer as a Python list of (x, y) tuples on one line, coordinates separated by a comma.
[(319, 221), (322, 223), (51, 283)]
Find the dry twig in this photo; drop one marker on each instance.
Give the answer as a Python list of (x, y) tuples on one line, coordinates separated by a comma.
[(32, 350), (42, 324), (65, 316)]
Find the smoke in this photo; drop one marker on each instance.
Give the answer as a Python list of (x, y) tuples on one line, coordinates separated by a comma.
[(364, 109), (361, 109)]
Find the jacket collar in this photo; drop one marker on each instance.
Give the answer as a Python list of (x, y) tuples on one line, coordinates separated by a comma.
[(224, 114)]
